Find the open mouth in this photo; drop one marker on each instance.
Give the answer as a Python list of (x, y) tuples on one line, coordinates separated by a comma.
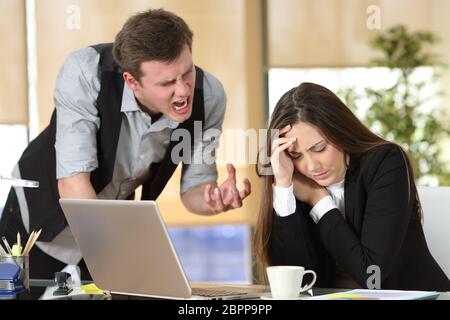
[(181, 106)]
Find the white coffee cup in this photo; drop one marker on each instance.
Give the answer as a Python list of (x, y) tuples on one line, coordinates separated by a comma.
[(286, 281)]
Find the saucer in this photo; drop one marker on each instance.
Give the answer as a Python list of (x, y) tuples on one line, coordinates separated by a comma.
[(269, 297)]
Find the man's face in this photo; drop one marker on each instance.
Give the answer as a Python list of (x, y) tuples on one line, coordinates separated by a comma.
[(166, 87)]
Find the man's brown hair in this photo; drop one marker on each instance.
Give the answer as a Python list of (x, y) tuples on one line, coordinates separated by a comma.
[(155, 34)]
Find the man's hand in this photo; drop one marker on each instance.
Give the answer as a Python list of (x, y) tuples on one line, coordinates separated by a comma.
[(208, 199), (227, 196)]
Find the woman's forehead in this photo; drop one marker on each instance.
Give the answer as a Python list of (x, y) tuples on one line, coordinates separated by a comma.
[(304, 131), (307, 136)]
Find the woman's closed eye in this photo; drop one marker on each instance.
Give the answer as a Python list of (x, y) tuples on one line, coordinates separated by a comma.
[(320, 149), (294, 156)]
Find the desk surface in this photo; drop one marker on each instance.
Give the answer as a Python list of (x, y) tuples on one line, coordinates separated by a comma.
[(38, 288)]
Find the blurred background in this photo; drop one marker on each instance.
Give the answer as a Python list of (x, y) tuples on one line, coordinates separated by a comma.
[(388, 60)]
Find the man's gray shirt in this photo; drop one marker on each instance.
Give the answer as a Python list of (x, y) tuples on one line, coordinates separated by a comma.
[(141, 141)]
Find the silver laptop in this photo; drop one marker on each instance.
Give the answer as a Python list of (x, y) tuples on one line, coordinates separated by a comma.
[(127, 250)]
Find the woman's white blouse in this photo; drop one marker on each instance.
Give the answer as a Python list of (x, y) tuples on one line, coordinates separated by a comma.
[(285, 205)]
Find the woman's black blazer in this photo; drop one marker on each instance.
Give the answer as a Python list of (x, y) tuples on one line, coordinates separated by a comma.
[(381, 228)]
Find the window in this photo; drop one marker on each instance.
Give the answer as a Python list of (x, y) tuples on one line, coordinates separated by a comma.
[(214, 254), (281, 80), (12, 144)]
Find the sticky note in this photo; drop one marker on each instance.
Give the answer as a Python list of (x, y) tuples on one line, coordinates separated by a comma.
[(91, 289)]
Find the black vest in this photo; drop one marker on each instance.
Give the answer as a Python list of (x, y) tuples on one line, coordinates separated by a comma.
[(38, 162)]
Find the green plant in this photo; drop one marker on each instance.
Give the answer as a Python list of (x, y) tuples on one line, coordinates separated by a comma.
[(403, 112)]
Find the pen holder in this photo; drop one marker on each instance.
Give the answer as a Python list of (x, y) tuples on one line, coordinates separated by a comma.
[(15, 273)]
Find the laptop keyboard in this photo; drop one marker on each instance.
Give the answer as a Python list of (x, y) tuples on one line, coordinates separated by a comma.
[(204, 292)]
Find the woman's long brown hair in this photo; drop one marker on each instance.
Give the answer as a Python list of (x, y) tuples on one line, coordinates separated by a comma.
[(316, 105)]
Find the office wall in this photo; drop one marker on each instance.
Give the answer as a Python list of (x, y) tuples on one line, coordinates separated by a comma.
[(227, 43), (13, 82), (323, 33)]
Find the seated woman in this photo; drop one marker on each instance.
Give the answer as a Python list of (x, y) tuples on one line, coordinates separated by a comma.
[(341, 201)]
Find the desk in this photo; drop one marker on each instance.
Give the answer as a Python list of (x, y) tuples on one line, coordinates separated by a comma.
[(38, 287)]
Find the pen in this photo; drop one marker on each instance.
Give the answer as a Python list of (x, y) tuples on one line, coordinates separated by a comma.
[(2, 251), (7, 245)]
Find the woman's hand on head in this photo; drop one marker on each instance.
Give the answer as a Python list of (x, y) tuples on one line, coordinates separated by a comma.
[(281, 163), (307, 190)]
